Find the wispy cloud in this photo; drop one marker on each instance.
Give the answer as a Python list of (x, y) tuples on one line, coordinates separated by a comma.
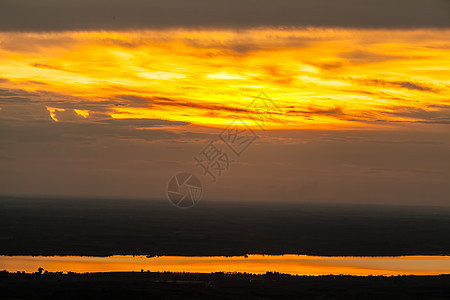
[(208, 77)]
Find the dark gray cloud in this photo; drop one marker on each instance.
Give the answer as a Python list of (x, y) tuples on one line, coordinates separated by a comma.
[(364, 56), (54, 15), (403, 84), (138, 101), (143, 122), (44, 131), (431, 115)]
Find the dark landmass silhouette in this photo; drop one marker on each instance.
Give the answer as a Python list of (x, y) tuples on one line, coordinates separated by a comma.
[(93, 227), (147, 285)]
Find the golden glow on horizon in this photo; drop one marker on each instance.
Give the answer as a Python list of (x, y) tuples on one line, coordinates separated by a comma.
[(256, 264), (319, 78)]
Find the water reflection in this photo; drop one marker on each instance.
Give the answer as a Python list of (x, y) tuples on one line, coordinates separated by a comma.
[(290, 264)]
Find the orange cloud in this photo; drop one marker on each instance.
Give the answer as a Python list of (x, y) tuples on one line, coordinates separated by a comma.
[(318, 78)]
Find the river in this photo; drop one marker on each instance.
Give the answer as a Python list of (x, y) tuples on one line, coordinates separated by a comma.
[(257, 264)]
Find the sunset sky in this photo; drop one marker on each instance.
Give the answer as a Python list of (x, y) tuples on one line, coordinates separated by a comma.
[(105, 100)]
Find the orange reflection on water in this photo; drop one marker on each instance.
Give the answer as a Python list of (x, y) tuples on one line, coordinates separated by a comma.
[(257, 264)]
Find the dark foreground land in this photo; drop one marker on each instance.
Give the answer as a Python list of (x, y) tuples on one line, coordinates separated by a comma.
[(107, 227), (219, 286)]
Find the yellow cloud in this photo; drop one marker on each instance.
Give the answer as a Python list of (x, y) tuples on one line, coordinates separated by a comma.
[(53, 111), (317, 77), (82, 113)]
